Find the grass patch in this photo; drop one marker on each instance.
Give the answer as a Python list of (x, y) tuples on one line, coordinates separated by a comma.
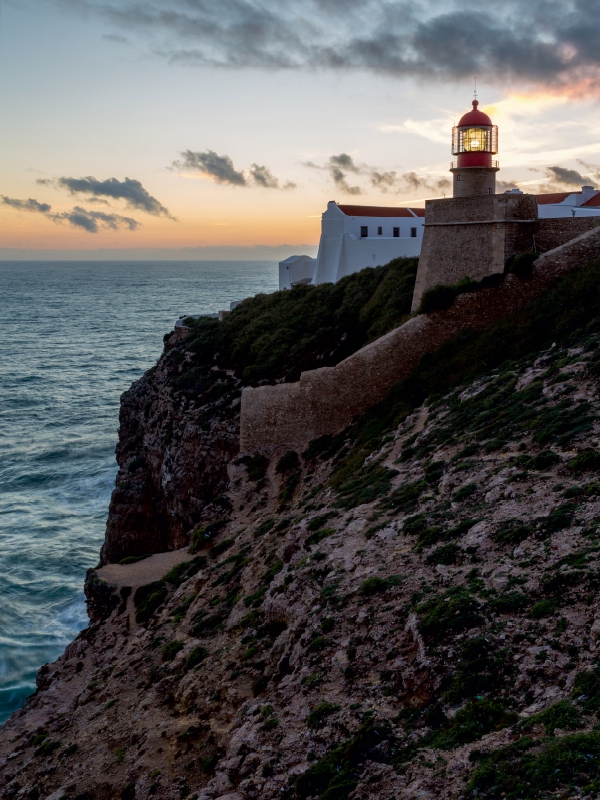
[(365, 486)]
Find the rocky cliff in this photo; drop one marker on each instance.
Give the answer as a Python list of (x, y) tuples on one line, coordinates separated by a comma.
[(407, 610)]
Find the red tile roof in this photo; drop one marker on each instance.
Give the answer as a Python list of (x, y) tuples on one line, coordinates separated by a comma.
[(593, 202), (557, 197), (375, 211), (420, 212)]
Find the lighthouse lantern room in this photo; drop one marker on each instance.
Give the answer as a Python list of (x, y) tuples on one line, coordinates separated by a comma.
[(474, 142)]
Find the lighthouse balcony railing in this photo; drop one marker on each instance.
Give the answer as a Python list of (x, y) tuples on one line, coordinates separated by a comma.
[(490, 164)]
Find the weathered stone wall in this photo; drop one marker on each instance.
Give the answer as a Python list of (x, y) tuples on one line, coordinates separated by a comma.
[(288, 416), (474, 237), (551, 233)]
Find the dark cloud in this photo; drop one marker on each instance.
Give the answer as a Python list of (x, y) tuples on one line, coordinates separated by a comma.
[(551, 42), (210, 163), (340, 166), (90, 221), (26, 205), (222, 170), (566, 177), (129, 190)]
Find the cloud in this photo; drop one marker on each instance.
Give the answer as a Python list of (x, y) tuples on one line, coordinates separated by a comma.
[(505, 186), (90, 221), (26, 205), (340, 166), (567, 177), (129, 190), (544, 42), (222, 170)]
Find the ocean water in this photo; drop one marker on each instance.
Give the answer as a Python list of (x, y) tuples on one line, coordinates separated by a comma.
[(74, 336)]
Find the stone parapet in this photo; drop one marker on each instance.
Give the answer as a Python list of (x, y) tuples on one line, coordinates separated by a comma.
[(326, 400)]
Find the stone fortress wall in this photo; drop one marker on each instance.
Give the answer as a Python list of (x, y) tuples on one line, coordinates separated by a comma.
[(325, 401)]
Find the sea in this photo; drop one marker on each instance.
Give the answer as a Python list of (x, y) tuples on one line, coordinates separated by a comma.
[(73, 337)]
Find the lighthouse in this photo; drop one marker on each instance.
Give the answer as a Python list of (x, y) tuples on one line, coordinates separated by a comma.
[(474, 143)]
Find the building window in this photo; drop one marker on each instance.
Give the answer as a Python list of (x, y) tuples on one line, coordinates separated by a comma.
[(379, 231), (489, 191), (459, 177), (396, 233), (413, 233), (364, 231)]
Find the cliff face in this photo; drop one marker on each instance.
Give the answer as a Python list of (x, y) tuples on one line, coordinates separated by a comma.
[(178, 431), (408, 610)]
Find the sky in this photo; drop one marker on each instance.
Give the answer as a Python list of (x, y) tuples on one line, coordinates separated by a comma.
[(194, 128)]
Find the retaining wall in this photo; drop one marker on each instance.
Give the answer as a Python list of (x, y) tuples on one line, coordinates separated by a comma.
[(288, 416)]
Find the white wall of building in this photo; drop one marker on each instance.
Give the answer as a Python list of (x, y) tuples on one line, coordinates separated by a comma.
[(343, 249), (296, 270)]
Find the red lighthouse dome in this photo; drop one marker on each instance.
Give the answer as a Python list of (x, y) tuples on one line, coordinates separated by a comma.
[(475, 139), (474, 117)]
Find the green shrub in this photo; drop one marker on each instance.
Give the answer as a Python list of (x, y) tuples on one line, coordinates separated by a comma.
[(318, 536), (170, 650), (512, 532), (47, 748), (365, 486), (194, 657), (586, 690), (561, 517), (134, 559), (256, 467), (448, 614), (561, 715), (405, 497), (288, 462), (218, 549), (319, 714), (447, 554), (205, 623), (264, 527), (540, 461), (544, 608), (509, 602), (186, 569), (201, 536), (481, 668), (335, 775), (521, 265), (470, 723), (318, 522), (464, 492), (148, 599), (586, 461), (437, 298)]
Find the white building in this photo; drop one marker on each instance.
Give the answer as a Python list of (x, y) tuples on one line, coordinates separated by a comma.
[(355, 237), (585, 203)]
